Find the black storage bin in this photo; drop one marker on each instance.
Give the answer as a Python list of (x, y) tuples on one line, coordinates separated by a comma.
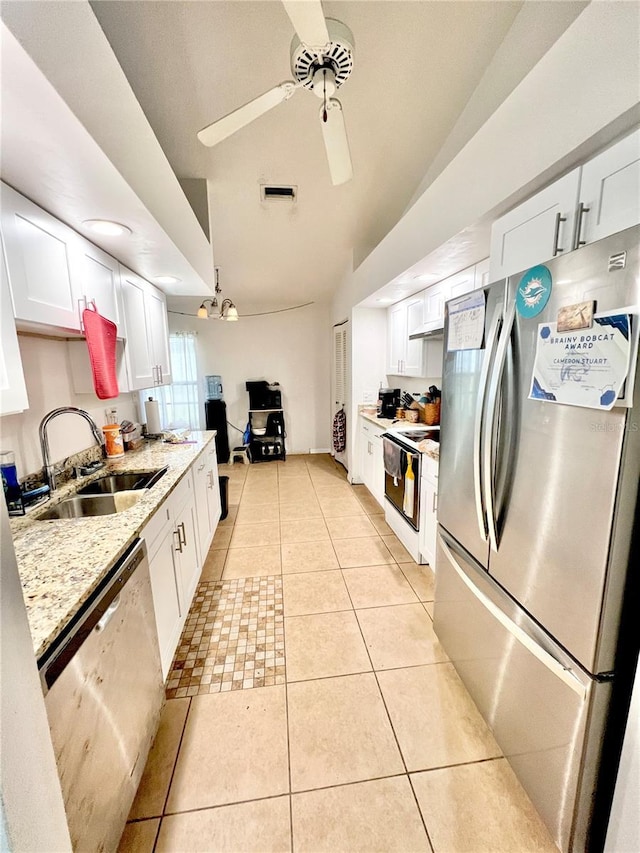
[(216, 418), (224, 503)]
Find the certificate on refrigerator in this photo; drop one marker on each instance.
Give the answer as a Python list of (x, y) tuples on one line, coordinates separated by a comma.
[(583, 368)]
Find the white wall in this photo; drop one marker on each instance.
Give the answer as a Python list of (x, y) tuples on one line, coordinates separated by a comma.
[(290, 347), (47, 374)]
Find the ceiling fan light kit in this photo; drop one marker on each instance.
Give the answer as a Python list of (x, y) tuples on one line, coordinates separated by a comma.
[(321, 61)]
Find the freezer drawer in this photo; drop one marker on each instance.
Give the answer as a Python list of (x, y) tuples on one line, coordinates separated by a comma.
[(535, 699)]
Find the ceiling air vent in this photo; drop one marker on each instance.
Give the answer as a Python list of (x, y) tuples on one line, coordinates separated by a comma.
[(270, 193)]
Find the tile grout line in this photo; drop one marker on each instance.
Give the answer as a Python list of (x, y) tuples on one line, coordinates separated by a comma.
[(404, 763), (286, 684), (173, 771)]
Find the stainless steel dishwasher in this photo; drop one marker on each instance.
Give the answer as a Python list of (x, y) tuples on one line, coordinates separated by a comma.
[(104, 693)]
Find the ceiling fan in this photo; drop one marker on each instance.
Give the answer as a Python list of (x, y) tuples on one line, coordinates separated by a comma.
[(321, 61)]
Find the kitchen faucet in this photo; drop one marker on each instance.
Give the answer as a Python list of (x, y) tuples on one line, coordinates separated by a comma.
[(49, 469)]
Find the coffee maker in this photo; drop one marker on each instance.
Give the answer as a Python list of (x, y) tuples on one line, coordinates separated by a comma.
[(388, 402)]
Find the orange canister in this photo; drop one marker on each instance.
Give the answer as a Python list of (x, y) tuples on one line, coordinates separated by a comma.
[(113, 442)]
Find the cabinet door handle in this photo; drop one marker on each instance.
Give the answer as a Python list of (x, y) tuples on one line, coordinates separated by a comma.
[(159, 374), (577, 242), (82, 305), (182, 536), (200, 467), (556, 235), (179, 548), (434, 502), (210, 479)]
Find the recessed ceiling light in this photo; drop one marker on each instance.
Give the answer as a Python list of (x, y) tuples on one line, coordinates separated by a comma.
[(385, 299), (106, 227), (167, 279)]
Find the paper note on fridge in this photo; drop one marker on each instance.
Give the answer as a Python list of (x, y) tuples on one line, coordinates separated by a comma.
[(583, 368), (466, 322)]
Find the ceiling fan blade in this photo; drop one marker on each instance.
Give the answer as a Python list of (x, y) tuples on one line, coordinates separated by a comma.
[(336, 143), (219, 130), (308, 21)]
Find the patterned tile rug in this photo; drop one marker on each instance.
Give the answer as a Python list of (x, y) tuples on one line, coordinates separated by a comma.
[(233, 638)]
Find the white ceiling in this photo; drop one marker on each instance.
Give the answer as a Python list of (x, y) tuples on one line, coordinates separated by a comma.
[(426, 75), (416, 66)]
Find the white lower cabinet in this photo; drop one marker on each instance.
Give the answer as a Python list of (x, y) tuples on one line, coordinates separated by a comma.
[(186, 549), (429, 511), (207, 492), (371, 461), (174, 565), (161, 536)]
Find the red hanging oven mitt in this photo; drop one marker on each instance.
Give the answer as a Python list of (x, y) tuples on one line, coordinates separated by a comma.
[(101, 341)]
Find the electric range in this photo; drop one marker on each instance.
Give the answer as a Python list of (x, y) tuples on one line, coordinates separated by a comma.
[(411, 436)]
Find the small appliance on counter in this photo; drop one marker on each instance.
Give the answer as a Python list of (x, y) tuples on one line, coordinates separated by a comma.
[(264, 395), (388, 402), (10, 483)]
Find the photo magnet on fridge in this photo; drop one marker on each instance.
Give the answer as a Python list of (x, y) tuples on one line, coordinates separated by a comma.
[(533, 291), (577, 316)]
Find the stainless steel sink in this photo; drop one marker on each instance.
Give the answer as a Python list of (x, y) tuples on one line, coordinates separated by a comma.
[(112, 483), (85, 506)]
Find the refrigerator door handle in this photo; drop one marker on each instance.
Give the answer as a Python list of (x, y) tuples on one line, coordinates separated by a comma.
[(478, 429), (487, 460), (545, 657)]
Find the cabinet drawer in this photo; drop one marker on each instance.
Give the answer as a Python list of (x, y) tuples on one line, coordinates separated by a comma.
[(183, 491), (155, 528)]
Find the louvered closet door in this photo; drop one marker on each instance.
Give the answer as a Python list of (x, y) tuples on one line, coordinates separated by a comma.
[(340, 376)]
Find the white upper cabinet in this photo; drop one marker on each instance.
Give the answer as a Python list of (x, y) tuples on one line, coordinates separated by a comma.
[(536, 231), (405, 357), (13, 392), (459, 284), (41, 254), (397, 333), (156, 305), (610, 192), (599, 198), (147, 332), (100, 280), (434, 299), (414, 357), (481, 274), (53, 271), (138, 351)]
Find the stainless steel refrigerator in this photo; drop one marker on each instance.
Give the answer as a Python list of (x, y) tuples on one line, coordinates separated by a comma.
[(537, 512)]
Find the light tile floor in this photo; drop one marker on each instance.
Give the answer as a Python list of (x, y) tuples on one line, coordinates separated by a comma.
[(363, 738)]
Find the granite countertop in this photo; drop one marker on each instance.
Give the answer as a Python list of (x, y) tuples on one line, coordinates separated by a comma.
[(431, 448), (62, 561)]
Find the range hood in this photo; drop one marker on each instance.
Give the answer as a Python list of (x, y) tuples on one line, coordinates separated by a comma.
[(429, 333)]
